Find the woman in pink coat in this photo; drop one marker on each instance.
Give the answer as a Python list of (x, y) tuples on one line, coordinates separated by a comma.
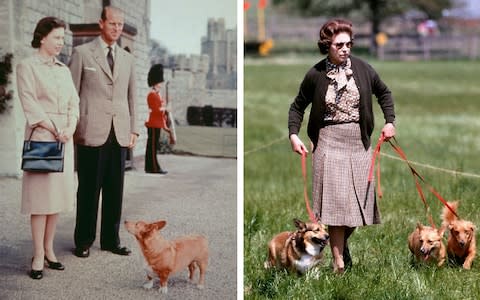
[(48, 97)]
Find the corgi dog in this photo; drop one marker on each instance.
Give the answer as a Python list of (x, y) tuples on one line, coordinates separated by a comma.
[(426, 244), (461, 244), (299, 250), (165, 257)]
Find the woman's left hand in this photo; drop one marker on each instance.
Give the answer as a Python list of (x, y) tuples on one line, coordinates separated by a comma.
[(388, 131), (65, 135)]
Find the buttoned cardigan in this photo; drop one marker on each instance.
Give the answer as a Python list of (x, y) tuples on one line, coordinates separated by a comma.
[(314, 88)]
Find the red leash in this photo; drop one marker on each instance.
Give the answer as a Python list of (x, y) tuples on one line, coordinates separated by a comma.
[(376, 156), (415, 174), (311, 216), (401, 153)]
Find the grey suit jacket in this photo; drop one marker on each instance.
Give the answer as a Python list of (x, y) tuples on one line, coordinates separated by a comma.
[(105, 98)]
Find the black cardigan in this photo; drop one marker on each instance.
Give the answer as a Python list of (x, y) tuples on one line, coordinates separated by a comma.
[(314, 88)]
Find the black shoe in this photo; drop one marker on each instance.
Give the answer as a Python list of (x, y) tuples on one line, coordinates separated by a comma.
[(36, 274), (347, 259), (81, 252), (162, 172), (55, 265), (117, 250)]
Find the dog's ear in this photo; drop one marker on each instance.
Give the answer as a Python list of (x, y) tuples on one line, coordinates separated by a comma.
[(160, 224), (454, 204), (299, 224), (441, 230), (419, 226)]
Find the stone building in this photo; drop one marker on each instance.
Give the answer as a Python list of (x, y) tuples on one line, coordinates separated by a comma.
[(18, 19), (202, 80), (220, 46), (209, 79)]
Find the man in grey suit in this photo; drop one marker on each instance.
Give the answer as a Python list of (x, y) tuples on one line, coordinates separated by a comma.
[(103, 74)]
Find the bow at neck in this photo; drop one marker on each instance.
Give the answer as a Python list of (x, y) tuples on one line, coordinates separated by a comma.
[(339, 73)]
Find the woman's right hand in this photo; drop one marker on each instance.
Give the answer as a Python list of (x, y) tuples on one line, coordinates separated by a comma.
[(49, 126), (297, 144)]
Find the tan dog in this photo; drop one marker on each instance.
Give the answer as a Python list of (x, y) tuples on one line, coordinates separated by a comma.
[(166, 257), (299, 250), (461, 246), (426, 244)]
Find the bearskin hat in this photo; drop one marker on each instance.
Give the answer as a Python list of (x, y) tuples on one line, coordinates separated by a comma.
[(155, 75)]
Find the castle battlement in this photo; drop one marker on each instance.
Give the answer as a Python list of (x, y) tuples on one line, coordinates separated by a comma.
[(181, 62), (208, 79)]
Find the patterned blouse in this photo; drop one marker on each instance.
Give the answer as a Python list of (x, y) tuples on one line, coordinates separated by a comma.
[(342, 98)]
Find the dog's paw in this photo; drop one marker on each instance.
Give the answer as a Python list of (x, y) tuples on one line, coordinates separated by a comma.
[(200, 286), (267, 265), (313, 274), (148, 285), (163, 289)]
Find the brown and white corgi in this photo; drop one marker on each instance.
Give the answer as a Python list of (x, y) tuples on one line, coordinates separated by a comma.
[(299, 250), (461, 244), (426, 244), (166, 257)]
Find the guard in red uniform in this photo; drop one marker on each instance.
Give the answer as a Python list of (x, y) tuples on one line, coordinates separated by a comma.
[(156, 121)]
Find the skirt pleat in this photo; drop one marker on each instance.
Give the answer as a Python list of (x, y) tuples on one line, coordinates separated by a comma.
[(342, 195)]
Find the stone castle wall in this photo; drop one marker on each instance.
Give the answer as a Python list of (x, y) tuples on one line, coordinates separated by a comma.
[(18, 19), (206, 79), (195, 80)]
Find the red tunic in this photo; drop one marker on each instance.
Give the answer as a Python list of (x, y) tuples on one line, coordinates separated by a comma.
[(157, 117)]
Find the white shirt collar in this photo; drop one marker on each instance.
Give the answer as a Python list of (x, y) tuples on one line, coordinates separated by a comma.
[(105, 47)]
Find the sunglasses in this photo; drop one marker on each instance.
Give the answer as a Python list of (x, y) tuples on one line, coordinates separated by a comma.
[(341, 45)]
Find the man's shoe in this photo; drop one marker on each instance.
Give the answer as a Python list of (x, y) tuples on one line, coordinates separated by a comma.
[(162, 172), (81, 252), (117, 250)]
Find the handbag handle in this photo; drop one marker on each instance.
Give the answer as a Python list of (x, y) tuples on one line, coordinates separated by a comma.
[(27, 142), (31, 133)]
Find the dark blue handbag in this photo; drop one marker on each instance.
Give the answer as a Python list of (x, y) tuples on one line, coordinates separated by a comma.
[(42, 157)]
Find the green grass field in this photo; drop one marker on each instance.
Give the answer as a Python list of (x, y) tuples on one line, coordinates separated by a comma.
[(438, 124)]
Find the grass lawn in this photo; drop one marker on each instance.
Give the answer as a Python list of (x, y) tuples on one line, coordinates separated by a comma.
[(438, 124)]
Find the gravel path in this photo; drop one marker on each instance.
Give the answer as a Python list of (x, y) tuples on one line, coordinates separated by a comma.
[(198, 195)]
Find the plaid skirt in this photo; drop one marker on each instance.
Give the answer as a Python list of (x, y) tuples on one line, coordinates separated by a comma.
[(341, 196)]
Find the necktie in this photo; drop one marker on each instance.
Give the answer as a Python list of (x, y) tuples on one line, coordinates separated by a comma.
[(110, 58)]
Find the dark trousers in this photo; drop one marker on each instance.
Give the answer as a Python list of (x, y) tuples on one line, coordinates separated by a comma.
[(151, 162), (100, 169)]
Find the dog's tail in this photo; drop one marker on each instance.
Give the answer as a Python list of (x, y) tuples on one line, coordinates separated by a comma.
[(447, 216)]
